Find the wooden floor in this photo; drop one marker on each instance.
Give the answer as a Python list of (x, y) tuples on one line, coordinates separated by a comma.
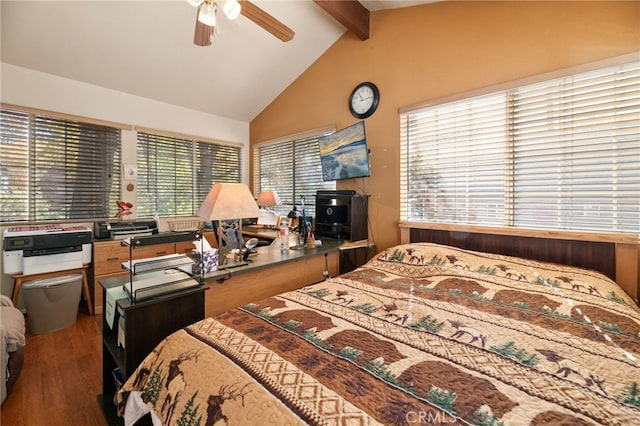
[(60, 380)]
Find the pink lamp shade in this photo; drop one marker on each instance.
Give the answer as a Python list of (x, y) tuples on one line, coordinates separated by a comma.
[(268, 199), (228, 201)]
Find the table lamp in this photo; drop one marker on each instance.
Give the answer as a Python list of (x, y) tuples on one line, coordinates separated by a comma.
[(268, 199), (229, 203)]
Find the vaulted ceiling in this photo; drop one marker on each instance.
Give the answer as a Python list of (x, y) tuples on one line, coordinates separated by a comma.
[(145, 48)]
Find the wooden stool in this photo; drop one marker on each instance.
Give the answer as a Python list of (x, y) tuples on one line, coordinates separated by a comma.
[(19, 278)]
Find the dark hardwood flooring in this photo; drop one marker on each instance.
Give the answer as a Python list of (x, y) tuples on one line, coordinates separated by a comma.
[(60, 380)]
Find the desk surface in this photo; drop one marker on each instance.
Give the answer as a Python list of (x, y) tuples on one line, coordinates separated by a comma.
[(271, 255), (267, 256)]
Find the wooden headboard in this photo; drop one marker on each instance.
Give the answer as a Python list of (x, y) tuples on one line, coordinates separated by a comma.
[(615, 255)]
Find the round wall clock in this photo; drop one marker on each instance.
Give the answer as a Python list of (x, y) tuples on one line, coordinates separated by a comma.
[(364, 100)]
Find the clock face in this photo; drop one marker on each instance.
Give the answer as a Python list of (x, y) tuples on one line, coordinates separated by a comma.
[(364, 100)]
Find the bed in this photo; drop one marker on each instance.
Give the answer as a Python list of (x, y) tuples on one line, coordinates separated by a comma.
[(421, 333)]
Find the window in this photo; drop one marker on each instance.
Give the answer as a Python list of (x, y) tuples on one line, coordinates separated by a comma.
[(57, 169), (176, 174), (291, 168), (560, 154)]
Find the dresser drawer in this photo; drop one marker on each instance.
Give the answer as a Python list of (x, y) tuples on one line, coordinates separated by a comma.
[(152, 251), (108, 257), (184, 247)]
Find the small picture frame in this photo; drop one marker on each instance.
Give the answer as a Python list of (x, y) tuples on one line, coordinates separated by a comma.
[(284, 222)]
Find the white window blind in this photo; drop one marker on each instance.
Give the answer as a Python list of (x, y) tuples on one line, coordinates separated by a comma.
[(576, 148), (454, 162), (214, 163), (292, 168), (561, 154), (175, 174), (57, 169)]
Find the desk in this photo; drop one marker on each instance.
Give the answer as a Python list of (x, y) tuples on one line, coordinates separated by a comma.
[(19, 278), (269, 272)]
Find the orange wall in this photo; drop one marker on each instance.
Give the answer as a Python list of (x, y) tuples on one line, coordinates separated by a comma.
[(435, 50)]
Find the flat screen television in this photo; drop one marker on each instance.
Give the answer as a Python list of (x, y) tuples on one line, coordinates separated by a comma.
[(344, 153)]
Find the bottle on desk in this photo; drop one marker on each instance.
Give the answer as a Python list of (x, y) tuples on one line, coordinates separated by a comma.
[(284, 238)]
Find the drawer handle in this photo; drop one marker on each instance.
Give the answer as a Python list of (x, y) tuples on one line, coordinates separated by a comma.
[(161, 253), (111, 259)]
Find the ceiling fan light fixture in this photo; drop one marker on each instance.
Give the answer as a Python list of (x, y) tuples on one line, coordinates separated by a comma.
[(195, 3), (231, 8), (207, 14)]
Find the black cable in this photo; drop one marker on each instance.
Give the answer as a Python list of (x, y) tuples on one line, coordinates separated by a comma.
[(325, 273)]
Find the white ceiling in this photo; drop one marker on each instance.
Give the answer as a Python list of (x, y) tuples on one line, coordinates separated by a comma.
[(145, 48)]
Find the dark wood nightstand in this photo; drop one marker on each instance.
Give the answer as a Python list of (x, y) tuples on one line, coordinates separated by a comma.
[(146, 324), (354, 254)]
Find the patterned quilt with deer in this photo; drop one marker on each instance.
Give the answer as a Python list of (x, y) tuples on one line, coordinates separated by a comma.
[(420, 334)]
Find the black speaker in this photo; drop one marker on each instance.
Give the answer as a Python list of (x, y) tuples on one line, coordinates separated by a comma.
[(333, 214), (341, 215)]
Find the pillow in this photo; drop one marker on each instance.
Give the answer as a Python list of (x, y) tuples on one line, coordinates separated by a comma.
[(464, 262), (5, 301)]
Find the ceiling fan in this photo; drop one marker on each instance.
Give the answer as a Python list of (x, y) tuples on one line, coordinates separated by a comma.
[(206, 18)]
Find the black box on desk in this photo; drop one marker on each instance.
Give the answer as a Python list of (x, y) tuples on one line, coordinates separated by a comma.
[(341, 216)]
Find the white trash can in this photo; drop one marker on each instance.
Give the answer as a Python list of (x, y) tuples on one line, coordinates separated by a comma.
[(52, 303)]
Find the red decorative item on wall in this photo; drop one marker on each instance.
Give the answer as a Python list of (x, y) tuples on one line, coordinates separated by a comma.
[(125, 208)]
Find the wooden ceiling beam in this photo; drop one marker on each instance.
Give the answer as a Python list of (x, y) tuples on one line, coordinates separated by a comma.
[(350, 13)]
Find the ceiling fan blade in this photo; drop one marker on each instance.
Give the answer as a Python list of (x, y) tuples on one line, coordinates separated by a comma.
[(266, 21), (203, 34)]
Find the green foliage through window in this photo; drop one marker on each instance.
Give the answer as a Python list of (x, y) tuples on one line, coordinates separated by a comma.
[(176, 174), (57, 169)]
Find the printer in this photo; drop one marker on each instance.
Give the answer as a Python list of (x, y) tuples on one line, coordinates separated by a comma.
[(34, 249), (121, 230)]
